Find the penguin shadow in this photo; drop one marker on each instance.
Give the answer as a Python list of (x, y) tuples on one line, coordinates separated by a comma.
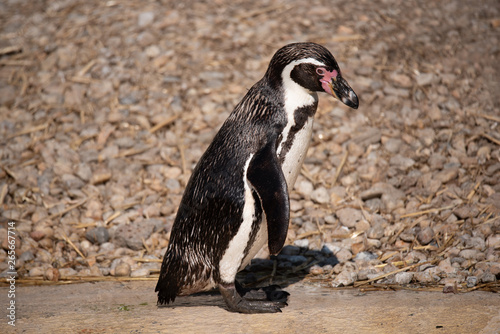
[(290, 266)]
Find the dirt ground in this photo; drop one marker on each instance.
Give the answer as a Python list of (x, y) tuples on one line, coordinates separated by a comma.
[(106, 106)]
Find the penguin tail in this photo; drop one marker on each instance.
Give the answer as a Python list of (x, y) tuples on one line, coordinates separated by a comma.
[(167, 290), (168, 285)]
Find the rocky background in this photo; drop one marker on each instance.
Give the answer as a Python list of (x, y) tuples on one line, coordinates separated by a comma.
[(106, 106)]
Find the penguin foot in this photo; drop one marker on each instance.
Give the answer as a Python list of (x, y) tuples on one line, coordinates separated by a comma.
[(252, 300)]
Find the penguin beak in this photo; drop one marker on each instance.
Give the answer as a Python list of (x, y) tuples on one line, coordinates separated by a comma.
[(341, 90)]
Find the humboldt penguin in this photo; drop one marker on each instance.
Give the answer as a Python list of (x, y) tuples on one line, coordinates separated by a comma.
[(237, 198)]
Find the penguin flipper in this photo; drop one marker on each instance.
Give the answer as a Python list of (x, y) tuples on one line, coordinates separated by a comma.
[(266, 177)]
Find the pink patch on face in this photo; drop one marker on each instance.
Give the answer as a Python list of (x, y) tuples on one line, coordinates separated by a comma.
[(327, 78)]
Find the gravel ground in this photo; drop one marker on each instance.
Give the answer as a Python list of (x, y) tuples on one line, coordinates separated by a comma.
[(106, 106)]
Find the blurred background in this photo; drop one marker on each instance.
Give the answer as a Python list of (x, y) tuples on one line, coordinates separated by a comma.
[(106, 106)]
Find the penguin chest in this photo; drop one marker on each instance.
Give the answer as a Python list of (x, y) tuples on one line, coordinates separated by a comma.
[(293, 151)]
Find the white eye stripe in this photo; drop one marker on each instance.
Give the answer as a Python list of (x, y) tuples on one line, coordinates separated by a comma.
[(296, 96)]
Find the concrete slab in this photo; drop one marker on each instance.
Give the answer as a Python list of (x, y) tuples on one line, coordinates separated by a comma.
[(109, 307)]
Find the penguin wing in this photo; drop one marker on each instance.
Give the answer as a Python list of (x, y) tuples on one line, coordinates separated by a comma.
[(266, 177)]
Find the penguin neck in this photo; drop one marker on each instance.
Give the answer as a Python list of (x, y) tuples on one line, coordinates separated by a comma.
[(295, 98)]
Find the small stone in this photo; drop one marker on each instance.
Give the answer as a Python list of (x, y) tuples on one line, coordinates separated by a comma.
[(423, 277), (469, 254), (349, 216), (320, 196), (296, 205), (343, 255), (145, 19), (7, 95), (365, 256), (373, 243), (98, 235), (152, 51), (84, 172), (487, 277), (446, 267), (142, 272), (426, 136), (393, 145), (305, 188), (37, 235), (122, 269), (401, 80), (375, 232), (316, 270), (403, 278), (466, 211), (36, 272), (401, 162), (446, 175), (303, 243), (107, 247), (471, 281), (131, 235), (345, 278), (424, 79), (357, 247), (493, 241), (67, 272), (27, 256), (407, 237), (425, 236), (52, 274)]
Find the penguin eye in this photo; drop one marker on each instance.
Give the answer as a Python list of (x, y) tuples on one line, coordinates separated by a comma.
[(320, 71)]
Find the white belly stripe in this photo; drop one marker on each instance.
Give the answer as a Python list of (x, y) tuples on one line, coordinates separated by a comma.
[(231, 260)]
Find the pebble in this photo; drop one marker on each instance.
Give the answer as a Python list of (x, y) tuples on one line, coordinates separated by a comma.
[(469, 254), (145, 19), (424, 79), (493, 241), (320, 195), (304, 187), (131, 235), (98, 235), (446, 175), (122, 269), (36, 271), (141, 272), (471, 281), (349, 217), (345, 278), (343, 255), (425, 236), (365, 256), (423, 277), (403, 277), (303, 243), (401, 162), (67, 272)]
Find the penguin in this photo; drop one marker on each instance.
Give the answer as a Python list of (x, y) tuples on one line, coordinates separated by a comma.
[(237, 198)]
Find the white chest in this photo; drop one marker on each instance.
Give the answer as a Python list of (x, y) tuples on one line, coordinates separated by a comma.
[(294, 157)]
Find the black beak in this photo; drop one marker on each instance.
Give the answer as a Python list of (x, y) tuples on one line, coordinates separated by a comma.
[(343, 92)]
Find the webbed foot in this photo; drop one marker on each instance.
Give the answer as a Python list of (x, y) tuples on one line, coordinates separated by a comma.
[(264, 300)]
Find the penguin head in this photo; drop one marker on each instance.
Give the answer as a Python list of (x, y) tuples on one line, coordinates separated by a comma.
[(312, 67)]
